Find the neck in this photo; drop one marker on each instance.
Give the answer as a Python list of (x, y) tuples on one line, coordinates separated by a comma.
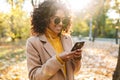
[(51, 34)]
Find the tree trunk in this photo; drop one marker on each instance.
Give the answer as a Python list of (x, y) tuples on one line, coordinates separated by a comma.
[(116, 75), (95, 33), (35, 3)]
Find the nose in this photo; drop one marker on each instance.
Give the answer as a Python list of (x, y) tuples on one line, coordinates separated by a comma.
[(60, 23)]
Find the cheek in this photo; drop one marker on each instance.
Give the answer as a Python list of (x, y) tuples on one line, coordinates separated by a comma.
[(52, 26), (52, 23)]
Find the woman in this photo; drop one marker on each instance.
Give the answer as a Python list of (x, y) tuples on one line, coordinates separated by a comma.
[(49, 55)]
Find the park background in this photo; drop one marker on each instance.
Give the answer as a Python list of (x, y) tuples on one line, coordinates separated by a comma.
[(97, 22)]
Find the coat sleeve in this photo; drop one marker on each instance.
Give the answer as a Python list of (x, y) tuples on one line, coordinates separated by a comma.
[(76, 64), (37, 70)]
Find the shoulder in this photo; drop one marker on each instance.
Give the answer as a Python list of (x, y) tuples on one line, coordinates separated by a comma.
[(36, 39), (69, 38), (66, 36), (32, 38)]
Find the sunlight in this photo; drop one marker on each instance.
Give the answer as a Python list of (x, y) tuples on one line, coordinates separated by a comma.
[(4, 7), (78, 5)]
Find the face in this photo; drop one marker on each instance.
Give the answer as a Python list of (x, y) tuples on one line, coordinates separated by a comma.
[(56, 22)]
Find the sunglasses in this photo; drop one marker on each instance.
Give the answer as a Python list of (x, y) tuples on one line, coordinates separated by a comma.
[(65, 21)]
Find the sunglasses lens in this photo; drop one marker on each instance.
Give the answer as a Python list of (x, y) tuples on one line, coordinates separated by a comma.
[(66, 21), (57, 20)]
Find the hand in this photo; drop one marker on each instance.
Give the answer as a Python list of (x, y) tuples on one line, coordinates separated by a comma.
[(65, 56), (78, 55), (70, 55)]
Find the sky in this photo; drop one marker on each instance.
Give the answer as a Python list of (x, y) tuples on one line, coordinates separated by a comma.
[(112, 13), (5, 7)]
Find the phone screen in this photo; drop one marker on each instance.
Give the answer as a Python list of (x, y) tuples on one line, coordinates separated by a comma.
[(78, 45)]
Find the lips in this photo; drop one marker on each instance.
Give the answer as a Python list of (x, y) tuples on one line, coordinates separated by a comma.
[(58, 27)]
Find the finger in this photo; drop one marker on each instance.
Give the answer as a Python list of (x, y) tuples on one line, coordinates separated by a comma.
[(78, 53), (78, 50), (78, 56), (69, 57), (71, 53)]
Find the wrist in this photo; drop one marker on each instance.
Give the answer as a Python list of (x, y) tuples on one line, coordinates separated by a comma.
[(78, 58)]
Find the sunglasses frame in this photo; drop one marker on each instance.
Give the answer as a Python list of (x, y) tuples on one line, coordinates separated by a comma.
[(65, 20)]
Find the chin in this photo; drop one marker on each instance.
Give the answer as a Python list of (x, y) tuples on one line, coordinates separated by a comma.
[(58, 32)]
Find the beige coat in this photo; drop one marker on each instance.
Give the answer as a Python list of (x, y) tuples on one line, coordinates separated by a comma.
[(42, 63)]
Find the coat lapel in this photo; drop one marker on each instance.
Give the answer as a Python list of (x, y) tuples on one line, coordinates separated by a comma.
[(66, 42), (69, 70), (48, 47)]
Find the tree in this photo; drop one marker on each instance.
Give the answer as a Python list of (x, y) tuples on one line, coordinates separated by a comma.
[(116, 75), (18, 21), (116, 7), (1, 25), (35, 3), (100, 20)]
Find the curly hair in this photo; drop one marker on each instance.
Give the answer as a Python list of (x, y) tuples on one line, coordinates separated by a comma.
[(41, 15)]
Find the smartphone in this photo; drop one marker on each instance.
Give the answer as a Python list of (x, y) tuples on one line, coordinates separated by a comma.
[(78, 45)]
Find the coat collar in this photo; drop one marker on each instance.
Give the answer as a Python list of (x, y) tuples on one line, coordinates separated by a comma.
[(48, 46)]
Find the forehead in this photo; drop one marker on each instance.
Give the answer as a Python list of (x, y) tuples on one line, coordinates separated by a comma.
[(60, 13)]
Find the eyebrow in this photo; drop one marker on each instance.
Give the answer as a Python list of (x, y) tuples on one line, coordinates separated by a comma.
[(59, 17)]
